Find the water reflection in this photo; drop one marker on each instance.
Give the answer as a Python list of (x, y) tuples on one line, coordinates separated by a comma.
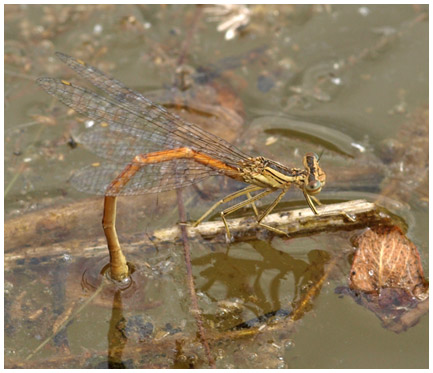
[(268, 280)]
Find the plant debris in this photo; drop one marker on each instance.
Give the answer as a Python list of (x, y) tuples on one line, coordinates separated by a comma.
[(387, 277), (386, 258)]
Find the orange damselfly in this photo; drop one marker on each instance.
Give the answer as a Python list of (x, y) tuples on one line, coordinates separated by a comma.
[(152, 150)]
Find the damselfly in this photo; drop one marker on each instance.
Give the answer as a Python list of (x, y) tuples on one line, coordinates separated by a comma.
[(152, 150)]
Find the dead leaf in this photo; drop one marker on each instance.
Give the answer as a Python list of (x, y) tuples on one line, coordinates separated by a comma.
[(386, 258), (397, 310)]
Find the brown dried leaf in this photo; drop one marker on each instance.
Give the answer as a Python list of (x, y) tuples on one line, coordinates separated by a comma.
[(385, 258)]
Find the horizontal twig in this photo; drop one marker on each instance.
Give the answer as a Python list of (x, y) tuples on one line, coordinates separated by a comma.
[(297, 222), (294, 222)]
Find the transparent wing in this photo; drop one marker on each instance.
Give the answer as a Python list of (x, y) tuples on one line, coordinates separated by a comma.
[(151, 178), (106, 113), (131, 112), (119, 146)]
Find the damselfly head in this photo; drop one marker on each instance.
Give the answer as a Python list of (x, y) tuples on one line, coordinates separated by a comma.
[(316, 177), (314, 155)]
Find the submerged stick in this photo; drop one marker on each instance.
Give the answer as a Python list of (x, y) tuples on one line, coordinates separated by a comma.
[(191, 286), (66, 321)]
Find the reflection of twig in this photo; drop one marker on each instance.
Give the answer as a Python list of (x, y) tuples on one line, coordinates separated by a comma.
[(65, 322), (194, 302)]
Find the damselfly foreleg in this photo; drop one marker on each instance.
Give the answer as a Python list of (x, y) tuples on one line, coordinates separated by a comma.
[(310, 200)]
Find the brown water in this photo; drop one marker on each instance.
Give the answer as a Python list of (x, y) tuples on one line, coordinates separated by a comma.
[(351, 81)]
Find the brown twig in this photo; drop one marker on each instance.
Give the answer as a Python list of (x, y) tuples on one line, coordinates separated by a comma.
[(294, 222)]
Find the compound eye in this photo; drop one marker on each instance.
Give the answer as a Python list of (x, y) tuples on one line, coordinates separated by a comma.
[(315, 156), (314, 186)]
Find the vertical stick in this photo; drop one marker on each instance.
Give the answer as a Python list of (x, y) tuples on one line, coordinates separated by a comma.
[(191, 286), (119, 268)]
